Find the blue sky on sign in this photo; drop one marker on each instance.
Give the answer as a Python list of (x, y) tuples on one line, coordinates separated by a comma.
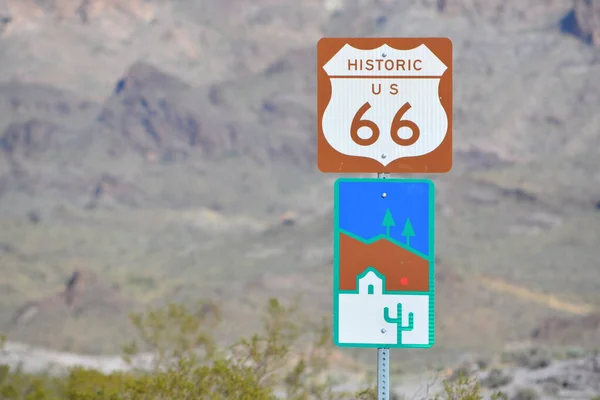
[(361, 209)]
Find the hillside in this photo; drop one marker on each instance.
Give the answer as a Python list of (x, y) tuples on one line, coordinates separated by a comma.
[(168, 148)]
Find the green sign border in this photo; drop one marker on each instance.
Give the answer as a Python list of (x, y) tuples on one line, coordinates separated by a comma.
[(431, 259)]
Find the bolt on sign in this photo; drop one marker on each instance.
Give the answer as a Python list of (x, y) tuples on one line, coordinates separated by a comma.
[(384, 105), (383, 272)]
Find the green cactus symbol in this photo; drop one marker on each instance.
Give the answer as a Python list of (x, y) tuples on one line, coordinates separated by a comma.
[(398, 321)]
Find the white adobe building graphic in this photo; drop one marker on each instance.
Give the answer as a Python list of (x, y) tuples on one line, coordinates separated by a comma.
[(372, 317)]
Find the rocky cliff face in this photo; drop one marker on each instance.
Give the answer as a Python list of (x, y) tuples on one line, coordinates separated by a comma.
[(148, 107), (587, 14), (28, 11)]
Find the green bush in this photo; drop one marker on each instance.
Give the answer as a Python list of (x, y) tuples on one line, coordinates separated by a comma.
[(190, 366), (464, 388)]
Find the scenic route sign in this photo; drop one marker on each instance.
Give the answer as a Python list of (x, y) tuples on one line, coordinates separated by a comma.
[(384, 105), (383, 273)]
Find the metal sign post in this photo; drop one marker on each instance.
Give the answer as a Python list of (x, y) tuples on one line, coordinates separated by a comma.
[(383, 374), (383, 358)]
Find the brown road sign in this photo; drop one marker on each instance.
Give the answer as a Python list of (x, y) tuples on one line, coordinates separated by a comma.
[(384, 105)]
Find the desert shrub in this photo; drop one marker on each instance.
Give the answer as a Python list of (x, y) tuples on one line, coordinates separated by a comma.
[(497, 378), (189, 365), (574, 352), (534, 358), (552, 388), (174, 332), (370, 393), (482, 363), (15, 385), (465, 388), (526, 394), (462, 371), (84, 384)]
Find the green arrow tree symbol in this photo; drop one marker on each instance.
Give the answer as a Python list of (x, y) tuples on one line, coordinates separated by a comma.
[(408, 231), (388, 221)]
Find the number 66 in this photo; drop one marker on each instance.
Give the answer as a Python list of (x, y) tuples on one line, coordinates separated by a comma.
[(397, 123)]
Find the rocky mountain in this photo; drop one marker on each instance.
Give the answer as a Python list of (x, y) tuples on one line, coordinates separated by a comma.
[(169, 147)]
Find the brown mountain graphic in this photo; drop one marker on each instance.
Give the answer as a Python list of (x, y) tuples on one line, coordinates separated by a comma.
[(404, 271)]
